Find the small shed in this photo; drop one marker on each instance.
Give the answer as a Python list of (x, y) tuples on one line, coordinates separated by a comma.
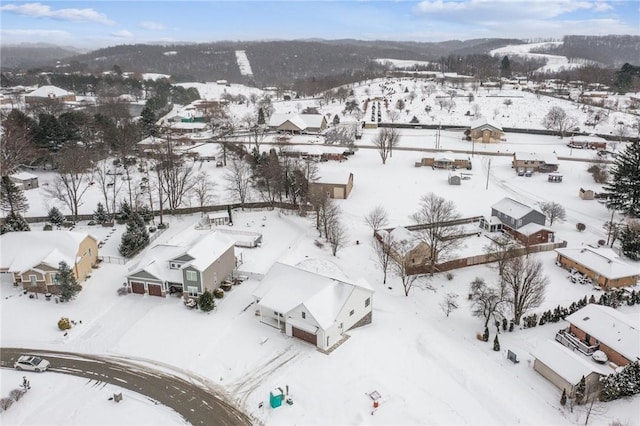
[(586, 194), (554, 177), (25, 180), (454, 179), (219, 218)]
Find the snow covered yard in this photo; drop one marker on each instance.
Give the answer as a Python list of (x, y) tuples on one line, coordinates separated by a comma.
[(428, 368)]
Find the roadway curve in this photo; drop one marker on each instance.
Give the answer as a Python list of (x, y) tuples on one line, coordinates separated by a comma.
[(188, 395)]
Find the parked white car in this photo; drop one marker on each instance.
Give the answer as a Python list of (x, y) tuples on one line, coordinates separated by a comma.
[(31, 363)]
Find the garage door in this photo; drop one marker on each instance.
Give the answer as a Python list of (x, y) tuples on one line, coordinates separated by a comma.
[(137, 288), (304, 335), (6, 278), (155, 289)]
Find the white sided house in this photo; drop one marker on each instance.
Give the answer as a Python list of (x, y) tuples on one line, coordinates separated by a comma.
[(312, 307), (298, 123)]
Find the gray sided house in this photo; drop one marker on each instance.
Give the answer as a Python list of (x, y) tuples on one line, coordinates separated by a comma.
[(193, 267), (515, 215)]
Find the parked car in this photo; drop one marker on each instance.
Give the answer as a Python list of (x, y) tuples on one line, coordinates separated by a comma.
[(348, 152), (521, 171), (31, 363)]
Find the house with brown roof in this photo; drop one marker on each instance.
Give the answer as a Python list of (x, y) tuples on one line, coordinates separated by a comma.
[(535, 162)]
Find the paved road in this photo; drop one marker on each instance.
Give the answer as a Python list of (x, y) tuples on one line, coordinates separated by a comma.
[(193, 400)]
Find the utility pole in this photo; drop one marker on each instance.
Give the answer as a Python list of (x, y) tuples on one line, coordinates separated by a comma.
[(488, 172)]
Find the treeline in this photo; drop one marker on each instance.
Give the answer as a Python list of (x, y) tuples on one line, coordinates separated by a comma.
[(612, 50)]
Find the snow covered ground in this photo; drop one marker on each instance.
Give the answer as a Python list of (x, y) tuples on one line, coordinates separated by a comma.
[(428, 368), (554, 62), (56, 399), (243, 63)]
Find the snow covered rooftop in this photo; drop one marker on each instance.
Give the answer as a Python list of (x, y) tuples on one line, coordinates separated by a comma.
[(156, 262), (302, 121), (546, 157), (208, 249), (530, 229), (49, 92), (152, 140), (286, 287), (512, 208), (562, 361), (616, 330), (590, 138), (23, 176), (24, 250), (484, 121), (602, 260), (334, 176)]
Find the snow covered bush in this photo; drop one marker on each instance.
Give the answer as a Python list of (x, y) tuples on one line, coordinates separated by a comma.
[(622, 384), (64, 324)]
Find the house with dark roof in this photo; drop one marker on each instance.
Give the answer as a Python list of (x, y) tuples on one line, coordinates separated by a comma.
[(535, 162), (312, 307)]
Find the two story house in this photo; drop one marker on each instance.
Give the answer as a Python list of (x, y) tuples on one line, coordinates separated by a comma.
[(524, 223), (191, 266)]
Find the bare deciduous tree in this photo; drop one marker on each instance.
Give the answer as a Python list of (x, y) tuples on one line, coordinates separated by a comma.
[(386, 139), (500, 250), (237, 177), (558, 120), (377, 218), (486, 301), (441, 237), (203, 189), (108, 183), (401, 263), (16, 145), (383, 248), (336, 235), (554, 211), (74, 177), (526, 284), (449, 303)]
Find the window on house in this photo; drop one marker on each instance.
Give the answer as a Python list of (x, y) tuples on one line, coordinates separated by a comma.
[(174, 265), (367, 302), (304, 315), (193, 291), (519, 223), (192, 276), (352, 312)]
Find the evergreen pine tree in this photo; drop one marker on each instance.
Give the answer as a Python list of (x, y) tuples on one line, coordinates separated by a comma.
[(12, 198), (125, 211), (581, 390), (511, 326), (148, 122), (67, 282), (630, 241), (14, 222), (336, 120), (563, 398), (100, 214), (55, 216), (496, 344), (624, 191), (206, 302), (135, 237), (261, 120), (505, 67)]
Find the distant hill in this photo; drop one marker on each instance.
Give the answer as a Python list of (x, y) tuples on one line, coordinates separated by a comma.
[(29, 55), (273, 62), (613, 50)]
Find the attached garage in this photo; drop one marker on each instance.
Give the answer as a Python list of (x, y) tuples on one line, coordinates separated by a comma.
[(305, 335), (137, 287), (155, 289), (7, 278)]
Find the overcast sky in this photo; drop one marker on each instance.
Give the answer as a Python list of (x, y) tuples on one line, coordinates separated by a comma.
[(95, 24)]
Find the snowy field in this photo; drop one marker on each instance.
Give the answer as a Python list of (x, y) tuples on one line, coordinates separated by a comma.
[(554, 62), (429, 369)]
